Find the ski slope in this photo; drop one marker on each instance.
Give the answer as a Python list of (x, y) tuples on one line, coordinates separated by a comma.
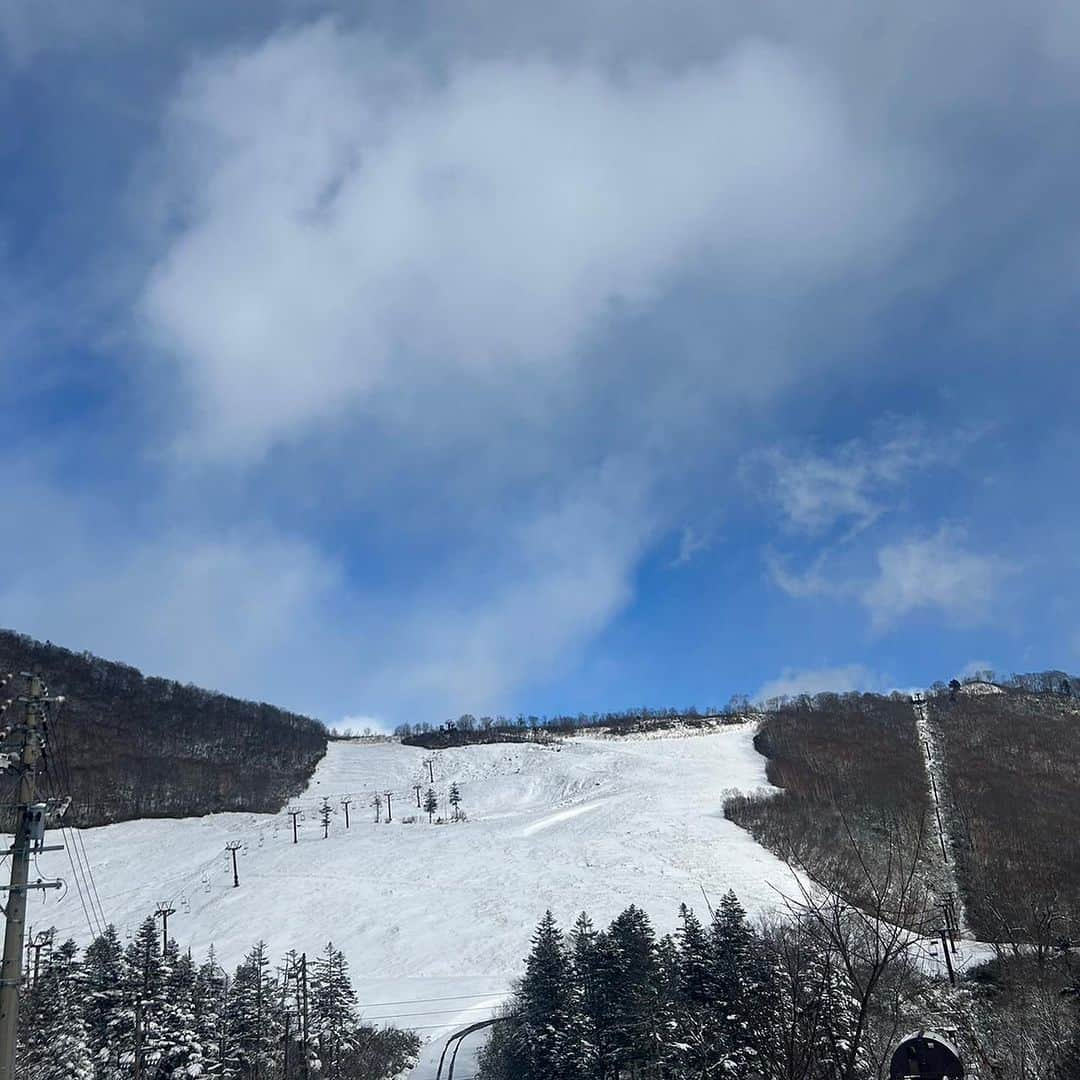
[(436, 919)]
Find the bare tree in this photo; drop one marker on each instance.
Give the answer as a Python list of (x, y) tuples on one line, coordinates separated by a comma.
[(868, 917)]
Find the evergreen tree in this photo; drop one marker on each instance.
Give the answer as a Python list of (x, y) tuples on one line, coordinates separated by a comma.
[(102, 995), (211, 1001), (737, 981), (253, 1018), (431, 804), (550, 1033), (333, 1009), (632, 993), (182, 1041), (455, 801), (585, 957), (54, 1040), (135, 1029)]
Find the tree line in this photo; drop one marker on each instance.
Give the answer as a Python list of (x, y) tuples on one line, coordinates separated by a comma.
[(145, 1012), (801, 996), (469, 729)]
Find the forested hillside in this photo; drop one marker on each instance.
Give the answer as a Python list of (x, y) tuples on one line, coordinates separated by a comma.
[(853, 769), (850, 769), (1013, 762), (125, 745)]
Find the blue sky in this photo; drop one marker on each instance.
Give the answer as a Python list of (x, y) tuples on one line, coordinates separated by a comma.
[(398, 361)]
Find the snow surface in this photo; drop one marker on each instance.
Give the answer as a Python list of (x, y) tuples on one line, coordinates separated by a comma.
[(435, 920), (981, 688)]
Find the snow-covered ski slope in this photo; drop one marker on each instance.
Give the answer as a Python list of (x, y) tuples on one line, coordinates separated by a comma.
[(428, 912)]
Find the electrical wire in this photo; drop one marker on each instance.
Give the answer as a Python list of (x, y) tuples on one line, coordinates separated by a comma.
[(66, 773), (50, 785)]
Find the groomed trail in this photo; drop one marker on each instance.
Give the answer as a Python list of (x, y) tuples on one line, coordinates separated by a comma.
[(436, 919)]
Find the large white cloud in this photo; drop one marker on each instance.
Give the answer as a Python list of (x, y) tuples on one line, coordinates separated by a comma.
[(345, 224)]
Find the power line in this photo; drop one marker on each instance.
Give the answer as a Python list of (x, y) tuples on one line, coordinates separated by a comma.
[(424, 1001), (61, 754)]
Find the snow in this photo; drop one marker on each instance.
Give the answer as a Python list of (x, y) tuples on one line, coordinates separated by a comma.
[(435, 920), (981, 688)]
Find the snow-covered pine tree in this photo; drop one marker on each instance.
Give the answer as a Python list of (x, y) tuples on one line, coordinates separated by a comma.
[(182, 1043), (254, 1021), (333, 1013), (632, 995), (585, 972), (211, 1000), (55, 1043), (695, 969), (738, 980), (552, 1031), (101, 990), (134, 1035)]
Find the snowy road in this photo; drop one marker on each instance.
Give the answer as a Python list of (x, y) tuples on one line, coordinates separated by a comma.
[(435, 920)]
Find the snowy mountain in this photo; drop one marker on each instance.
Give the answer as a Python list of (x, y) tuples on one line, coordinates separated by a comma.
[(435, 919)]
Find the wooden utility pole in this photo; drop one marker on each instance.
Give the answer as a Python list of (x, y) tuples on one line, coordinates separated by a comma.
[(22, 745), (234, 846), (294, 814), (163, 912), (346, 803)]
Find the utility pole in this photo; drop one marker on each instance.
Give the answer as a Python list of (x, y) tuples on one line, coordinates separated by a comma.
[(22, 746), (234, 846), (163, 912), (306, 1065), (294, 814), (416, 788), (345, 803), (41, 940), (430, 763), (389, 816), (948, 957)]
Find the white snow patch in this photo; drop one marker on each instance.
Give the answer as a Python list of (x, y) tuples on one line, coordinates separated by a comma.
[(980, 688)]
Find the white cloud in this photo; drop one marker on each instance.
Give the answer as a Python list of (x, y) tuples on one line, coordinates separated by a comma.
[(352, 230), (239, 612), (928, 573), (570, 572), (815, 681), (933, 573), (691, 542), (851, 484)]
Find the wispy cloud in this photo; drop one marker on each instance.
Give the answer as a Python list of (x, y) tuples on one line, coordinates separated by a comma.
[(852, 484), (691, 543), (818, 680), (935, 572)]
